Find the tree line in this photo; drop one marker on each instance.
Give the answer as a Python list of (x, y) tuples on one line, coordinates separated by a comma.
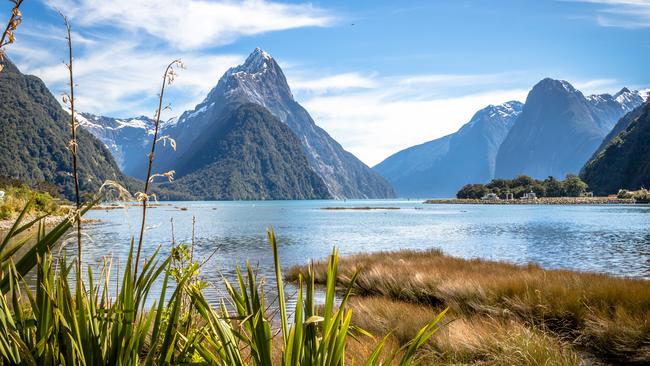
[(571, 186)]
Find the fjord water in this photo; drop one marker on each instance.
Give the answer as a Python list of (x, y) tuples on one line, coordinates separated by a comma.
[(612, 239)]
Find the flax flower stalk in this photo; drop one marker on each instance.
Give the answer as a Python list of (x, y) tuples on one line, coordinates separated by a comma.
[(168, 78)]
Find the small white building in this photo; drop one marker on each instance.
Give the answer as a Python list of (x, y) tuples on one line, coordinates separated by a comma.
[(2, 195), (490, 197), (529, 196)]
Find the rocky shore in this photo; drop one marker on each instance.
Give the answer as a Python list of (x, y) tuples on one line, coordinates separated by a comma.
[(539, 201)]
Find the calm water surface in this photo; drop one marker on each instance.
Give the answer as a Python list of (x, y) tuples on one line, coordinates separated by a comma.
[(609, 239)]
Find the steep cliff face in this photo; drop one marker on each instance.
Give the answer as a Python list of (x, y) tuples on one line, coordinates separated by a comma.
[(35, 135), (624, 162), (440, 167), (559, 129)]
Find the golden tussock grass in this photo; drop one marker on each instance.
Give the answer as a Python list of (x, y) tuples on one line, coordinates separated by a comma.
[(604, 315)]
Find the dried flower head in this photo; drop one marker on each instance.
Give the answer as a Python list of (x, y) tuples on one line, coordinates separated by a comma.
[(166, 138), (115, 187), (169, 175)]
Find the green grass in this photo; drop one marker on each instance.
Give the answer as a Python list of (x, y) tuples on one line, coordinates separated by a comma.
[(16, 197)]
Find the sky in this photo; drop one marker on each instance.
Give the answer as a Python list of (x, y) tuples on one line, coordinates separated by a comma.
[(379, 76)]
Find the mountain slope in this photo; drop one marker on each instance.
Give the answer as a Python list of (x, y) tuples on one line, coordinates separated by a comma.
[(259, 80), (247, 154), (129, 140), (559, 129), (620, 126), (440, 167), (625, 161), (35, 135)]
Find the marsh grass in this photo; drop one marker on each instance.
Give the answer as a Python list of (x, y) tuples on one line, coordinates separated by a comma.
[(604, 315)]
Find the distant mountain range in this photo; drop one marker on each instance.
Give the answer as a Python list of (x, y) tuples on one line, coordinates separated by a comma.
[(260, 81), (249, 139), (440, 167), (623, 162), (559, 129), (35, 135), (553, 134)]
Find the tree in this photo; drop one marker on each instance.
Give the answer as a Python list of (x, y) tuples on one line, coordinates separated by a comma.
[(574, 186), (472, 191), (554, 187)]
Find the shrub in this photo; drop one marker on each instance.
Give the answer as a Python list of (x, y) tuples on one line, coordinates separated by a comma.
[(642, 196), (624, 194)]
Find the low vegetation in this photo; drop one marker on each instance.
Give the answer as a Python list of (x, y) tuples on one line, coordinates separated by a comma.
[(499, 313), (640, 196), (571, 186), (16, 196)]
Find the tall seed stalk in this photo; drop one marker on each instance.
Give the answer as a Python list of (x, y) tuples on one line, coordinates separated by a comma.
[(73, 143), (14, 21), (168, 78)]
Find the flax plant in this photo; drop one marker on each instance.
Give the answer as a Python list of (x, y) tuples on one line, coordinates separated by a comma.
[(168, 78)]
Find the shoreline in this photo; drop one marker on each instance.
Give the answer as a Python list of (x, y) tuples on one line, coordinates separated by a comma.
[(539, 201)]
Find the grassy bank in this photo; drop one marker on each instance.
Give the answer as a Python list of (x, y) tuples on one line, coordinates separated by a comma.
[(502, 313), (16, 197), (539, 201)]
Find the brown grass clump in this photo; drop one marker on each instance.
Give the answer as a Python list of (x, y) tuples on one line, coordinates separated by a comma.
[(605, 315), (463, 340)]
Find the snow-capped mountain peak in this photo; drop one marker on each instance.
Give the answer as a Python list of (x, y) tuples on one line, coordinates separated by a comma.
[(257, 62)]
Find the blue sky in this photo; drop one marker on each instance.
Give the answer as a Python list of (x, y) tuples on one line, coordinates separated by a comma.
[(379, 76)]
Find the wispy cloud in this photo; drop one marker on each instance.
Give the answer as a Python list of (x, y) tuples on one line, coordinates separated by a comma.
[(621, 13), (192, 24), (122, 80), (122, 46), (390, 113), (331, 83)]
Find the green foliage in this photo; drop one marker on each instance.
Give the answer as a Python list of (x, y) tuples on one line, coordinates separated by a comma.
[(624, 162), (66, 320), (35, 136), (247, 154), (571, 186), (18, 194), (473, 191)]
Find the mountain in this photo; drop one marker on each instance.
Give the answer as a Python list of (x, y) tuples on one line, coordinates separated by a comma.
[(440, 167), (247, 154), (35, 135), (129, 139), (624, 162), (259, 80), (559, 129), (620, 126)]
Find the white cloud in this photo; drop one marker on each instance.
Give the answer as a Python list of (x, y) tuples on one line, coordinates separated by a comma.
[(121, 80), (330, 83), (373, 125), (621, 13), (192, 24), (597, 86)]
